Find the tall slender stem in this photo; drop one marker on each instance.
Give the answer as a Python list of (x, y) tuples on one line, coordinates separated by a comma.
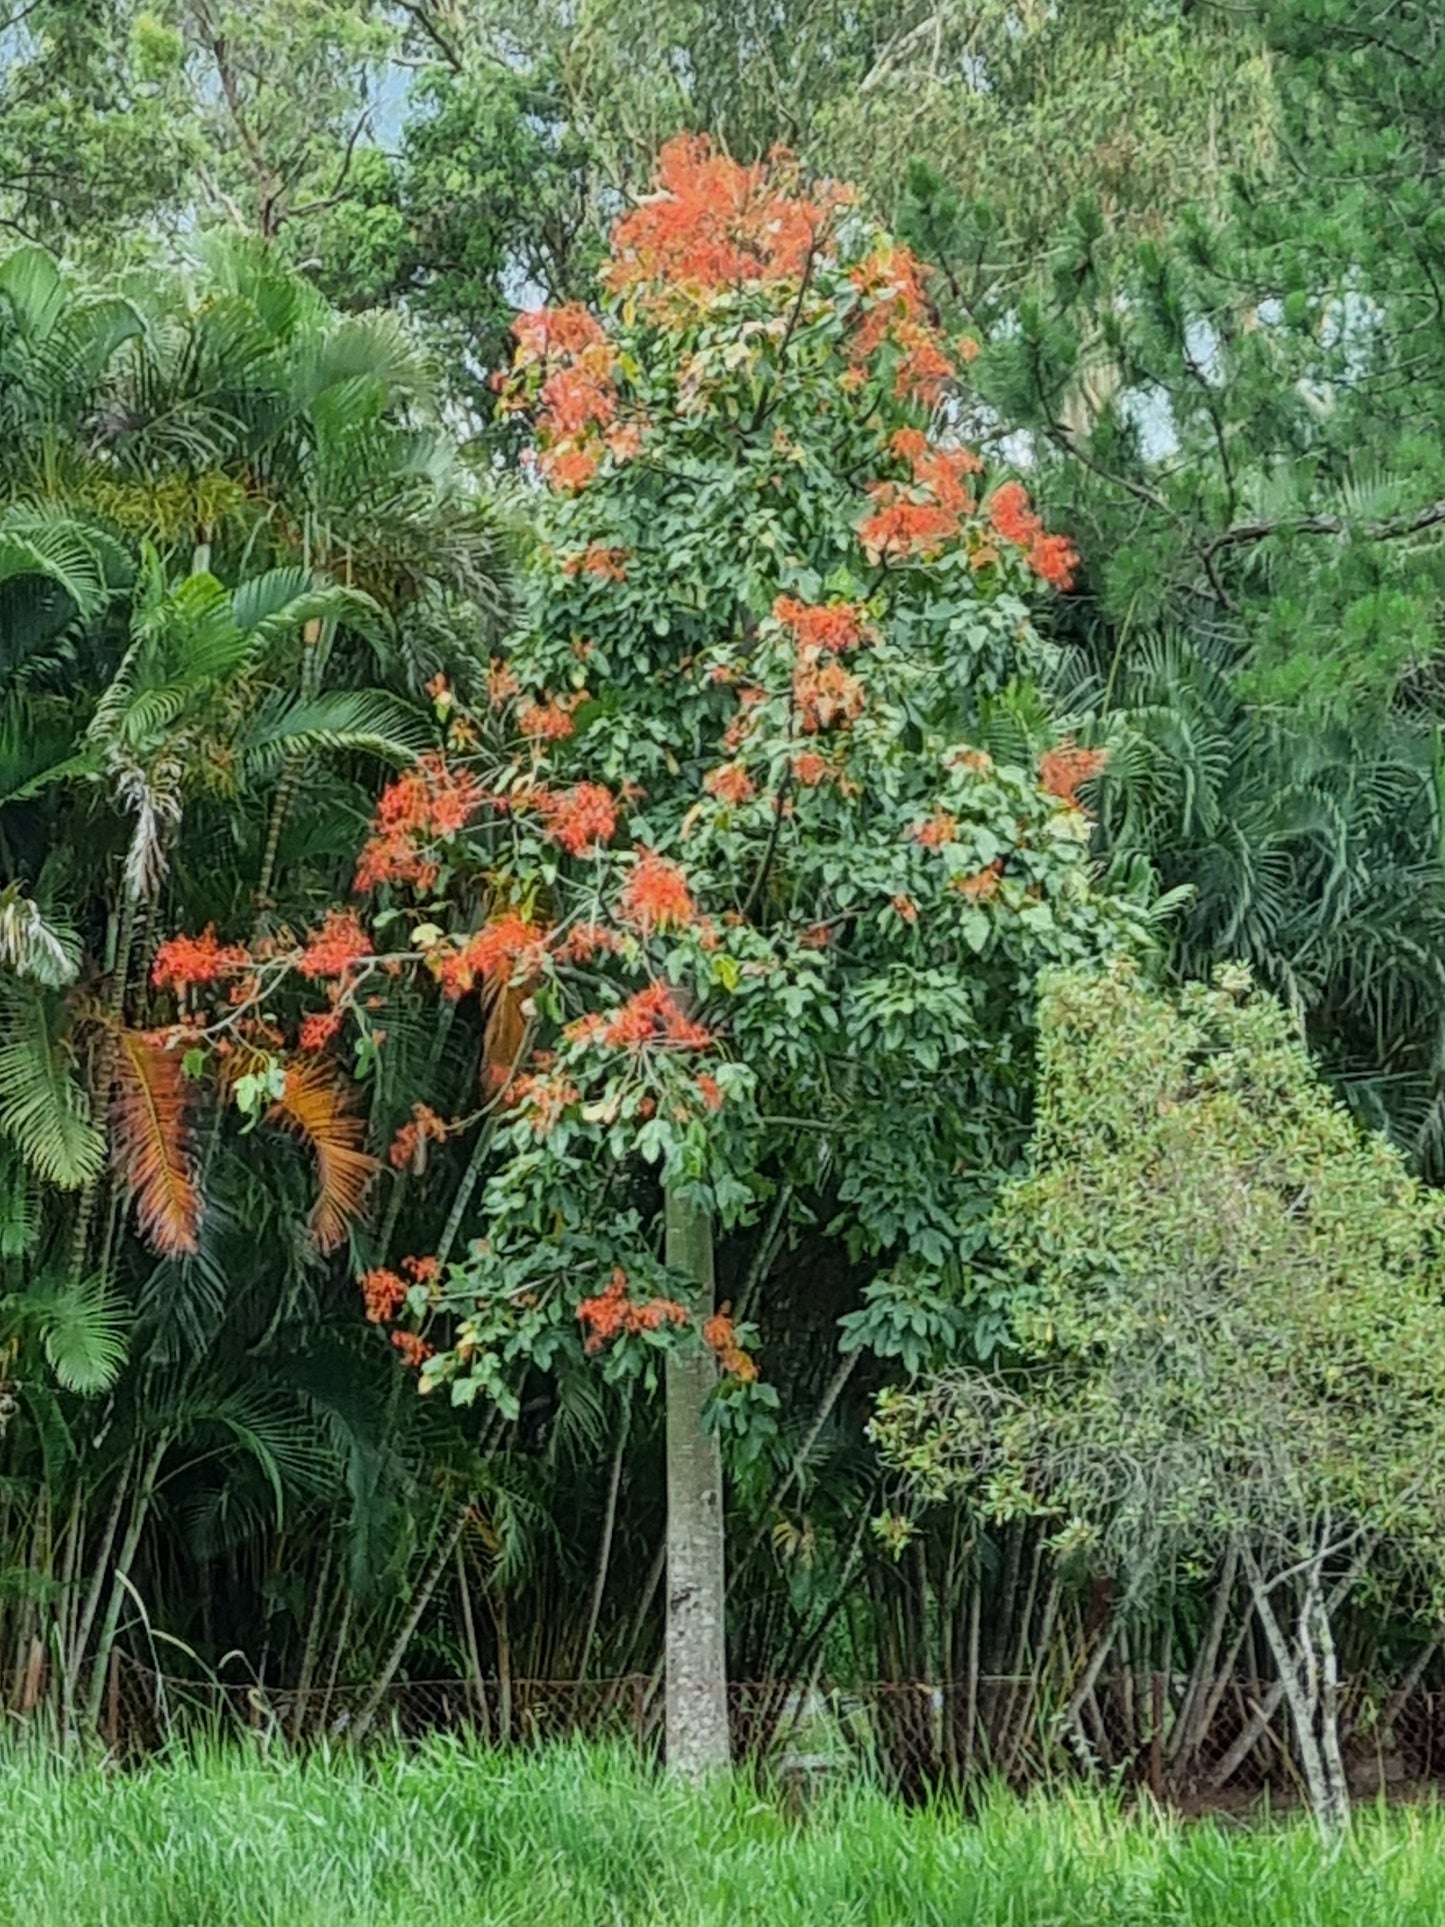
[(697, 1707)]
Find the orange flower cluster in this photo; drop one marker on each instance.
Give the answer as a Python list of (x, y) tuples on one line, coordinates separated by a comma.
[(714, 225), (414, 1349), (939, 829), (719, 1333), (942, 471), (545, 1099), (580, 819), (551, 719), (587, 940), (730, 784), (830, 625), (578, 396), (613, 1314), (924, 370), (545, 335), (574, 398), (597, 559), (900, 525), (906, 908), (408, 1147), (651, 1016), (383, 1292), (183, 961), (508, 946), (318, 1029), (919, 519), (825, 694), (1054, 557), (424, 803), (709, 1090), (655, 895), (894, 309), (811, 769), (336, 946), (982, 884), (1063, 770)]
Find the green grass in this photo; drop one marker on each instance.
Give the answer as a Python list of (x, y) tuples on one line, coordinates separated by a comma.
[(456, 1838)]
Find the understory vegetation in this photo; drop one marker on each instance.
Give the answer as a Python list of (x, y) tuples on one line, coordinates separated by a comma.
[(722, 878)]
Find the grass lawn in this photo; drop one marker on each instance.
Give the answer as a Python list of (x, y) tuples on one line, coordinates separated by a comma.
[(456, 1838)]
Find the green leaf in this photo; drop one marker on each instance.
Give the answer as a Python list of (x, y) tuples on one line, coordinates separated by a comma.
[(84, 1332), (44, 1110)]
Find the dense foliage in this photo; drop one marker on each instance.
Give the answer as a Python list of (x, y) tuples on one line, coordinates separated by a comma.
[(483, 806), (1228, 1317)]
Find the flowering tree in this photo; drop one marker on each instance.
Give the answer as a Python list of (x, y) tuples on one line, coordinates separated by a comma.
[(755, 920)]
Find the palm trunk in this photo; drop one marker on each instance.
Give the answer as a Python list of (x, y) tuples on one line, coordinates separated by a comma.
[(139, 1510), (697, 1705), (604, 1544), (316, 639), (80, 1639), (430, 1580), (114, 1012)]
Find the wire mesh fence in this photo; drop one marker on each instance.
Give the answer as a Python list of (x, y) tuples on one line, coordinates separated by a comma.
[(1226, 1741)]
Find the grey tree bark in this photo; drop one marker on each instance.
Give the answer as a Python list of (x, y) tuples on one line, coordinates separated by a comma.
[(1313, 1702), (697, 1705)]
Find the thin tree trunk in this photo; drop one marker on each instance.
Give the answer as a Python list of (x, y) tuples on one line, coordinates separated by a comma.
[(140, 1508), (1084, 1691), (97, 1578), (313, 1642), (604, 1543), (465, 1187), (100, 1110), (970, 1702), (1201, 1680), (316, 638), (831, 1393), (697, 1705), (1267, 1705), (430, 1579), (1328, 1800), (336, 1656), (1336, 1779), (469, 1633)]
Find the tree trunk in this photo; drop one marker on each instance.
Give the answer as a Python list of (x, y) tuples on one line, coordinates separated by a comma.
[(1315, 1717), (697, 1705), (426, 1586)]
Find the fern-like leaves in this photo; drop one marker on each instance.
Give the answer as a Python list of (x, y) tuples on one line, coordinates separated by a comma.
[(83, 1327), (151, 1142), (44, 1109)]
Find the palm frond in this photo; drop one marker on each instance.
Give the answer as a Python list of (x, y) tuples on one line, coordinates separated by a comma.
[(275, 604), (44, 1110), (42, 948), (320, 1109), (54, 545), (151, 1141), (19, 1206), (83, 1327), (345, 720)]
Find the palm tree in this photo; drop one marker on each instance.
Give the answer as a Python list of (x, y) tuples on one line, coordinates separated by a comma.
[(233, 543)]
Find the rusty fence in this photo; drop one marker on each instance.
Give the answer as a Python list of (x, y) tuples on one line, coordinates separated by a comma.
[(1228, 1742)]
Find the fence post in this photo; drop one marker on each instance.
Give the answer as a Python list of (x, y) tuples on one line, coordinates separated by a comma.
[(1156, 1736)]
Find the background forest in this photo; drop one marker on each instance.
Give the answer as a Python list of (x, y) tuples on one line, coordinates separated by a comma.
[(270, 529)]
